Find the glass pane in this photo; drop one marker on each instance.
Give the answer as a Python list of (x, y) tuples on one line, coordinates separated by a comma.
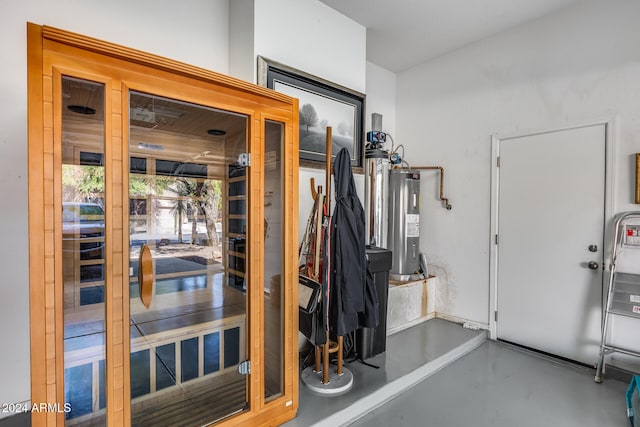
[(273, 304), (83, 248), (187, 204)]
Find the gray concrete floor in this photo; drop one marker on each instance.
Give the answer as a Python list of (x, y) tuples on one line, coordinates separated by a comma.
[(411, 355), (438, 374), (499, 385)]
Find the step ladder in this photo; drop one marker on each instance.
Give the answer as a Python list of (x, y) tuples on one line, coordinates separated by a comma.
[(623, 295)]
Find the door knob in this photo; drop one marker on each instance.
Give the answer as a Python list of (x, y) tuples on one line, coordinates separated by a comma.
[(593, 248), (593, 265)]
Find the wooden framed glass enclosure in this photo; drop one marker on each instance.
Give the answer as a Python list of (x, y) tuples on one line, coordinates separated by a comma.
[(163, 233)]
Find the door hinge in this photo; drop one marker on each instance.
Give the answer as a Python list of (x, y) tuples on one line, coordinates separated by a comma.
[(244, 159), (496, 239), (495, 315), (498, 161), (244, 368)]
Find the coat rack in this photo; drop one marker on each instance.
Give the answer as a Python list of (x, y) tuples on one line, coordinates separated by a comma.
[(319, 378)]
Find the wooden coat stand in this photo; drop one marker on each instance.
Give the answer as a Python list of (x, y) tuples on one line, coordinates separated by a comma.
[(329, 346), (323, 351)]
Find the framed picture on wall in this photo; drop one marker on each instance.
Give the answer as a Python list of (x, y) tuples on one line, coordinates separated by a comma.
[(321, 104)]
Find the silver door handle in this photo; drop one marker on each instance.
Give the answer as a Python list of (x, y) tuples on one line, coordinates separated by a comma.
[(593, 265)]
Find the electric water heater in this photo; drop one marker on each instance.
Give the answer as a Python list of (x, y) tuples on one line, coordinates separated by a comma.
[(403, 229)]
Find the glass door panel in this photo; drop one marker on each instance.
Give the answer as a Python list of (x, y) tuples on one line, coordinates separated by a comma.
[(83, 250), (274, 297), (187, 229)]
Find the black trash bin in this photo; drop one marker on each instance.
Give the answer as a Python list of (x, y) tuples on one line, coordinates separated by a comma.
[(373, 341)]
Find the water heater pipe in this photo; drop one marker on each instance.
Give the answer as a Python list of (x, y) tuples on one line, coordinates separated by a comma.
[(441, 169)]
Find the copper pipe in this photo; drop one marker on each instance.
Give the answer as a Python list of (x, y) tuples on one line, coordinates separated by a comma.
[(441, 169)]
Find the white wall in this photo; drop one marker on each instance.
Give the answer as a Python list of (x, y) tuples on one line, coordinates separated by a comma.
[(311, 37), (578, 64), (197, 34), (381, 97), (242, 62)]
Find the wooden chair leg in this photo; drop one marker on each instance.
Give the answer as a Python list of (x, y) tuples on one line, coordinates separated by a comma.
[(317, 359), (325, 361), (340, 339)]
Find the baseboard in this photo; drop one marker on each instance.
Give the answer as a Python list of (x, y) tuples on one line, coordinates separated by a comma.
[(619, 374), (470, 324), (610, 372), (409, 324)]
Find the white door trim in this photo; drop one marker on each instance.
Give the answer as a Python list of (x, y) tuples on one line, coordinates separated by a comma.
[(609, 203)]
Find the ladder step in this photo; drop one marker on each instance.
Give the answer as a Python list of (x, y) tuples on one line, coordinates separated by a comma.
[(623, 293)]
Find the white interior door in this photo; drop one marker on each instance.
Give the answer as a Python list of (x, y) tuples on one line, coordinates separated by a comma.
[(551, 226)]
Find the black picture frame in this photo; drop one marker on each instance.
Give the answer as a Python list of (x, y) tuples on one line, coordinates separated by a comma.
[(330, 105)]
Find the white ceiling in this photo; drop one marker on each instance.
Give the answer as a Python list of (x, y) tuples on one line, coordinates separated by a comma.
[(405, 33)]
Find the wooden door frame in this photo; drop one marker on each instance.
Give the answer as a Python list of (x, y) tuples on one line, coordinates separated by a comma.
[(609, 199), (44, 46)]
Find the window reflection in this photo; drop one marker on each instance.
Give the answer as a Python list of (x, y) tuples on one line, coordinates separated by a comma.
[(83, 246), (186, 346)]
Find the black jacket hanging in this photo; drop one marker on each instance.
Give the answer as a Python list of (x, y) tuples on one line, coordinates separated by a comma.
[(353, 301)]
